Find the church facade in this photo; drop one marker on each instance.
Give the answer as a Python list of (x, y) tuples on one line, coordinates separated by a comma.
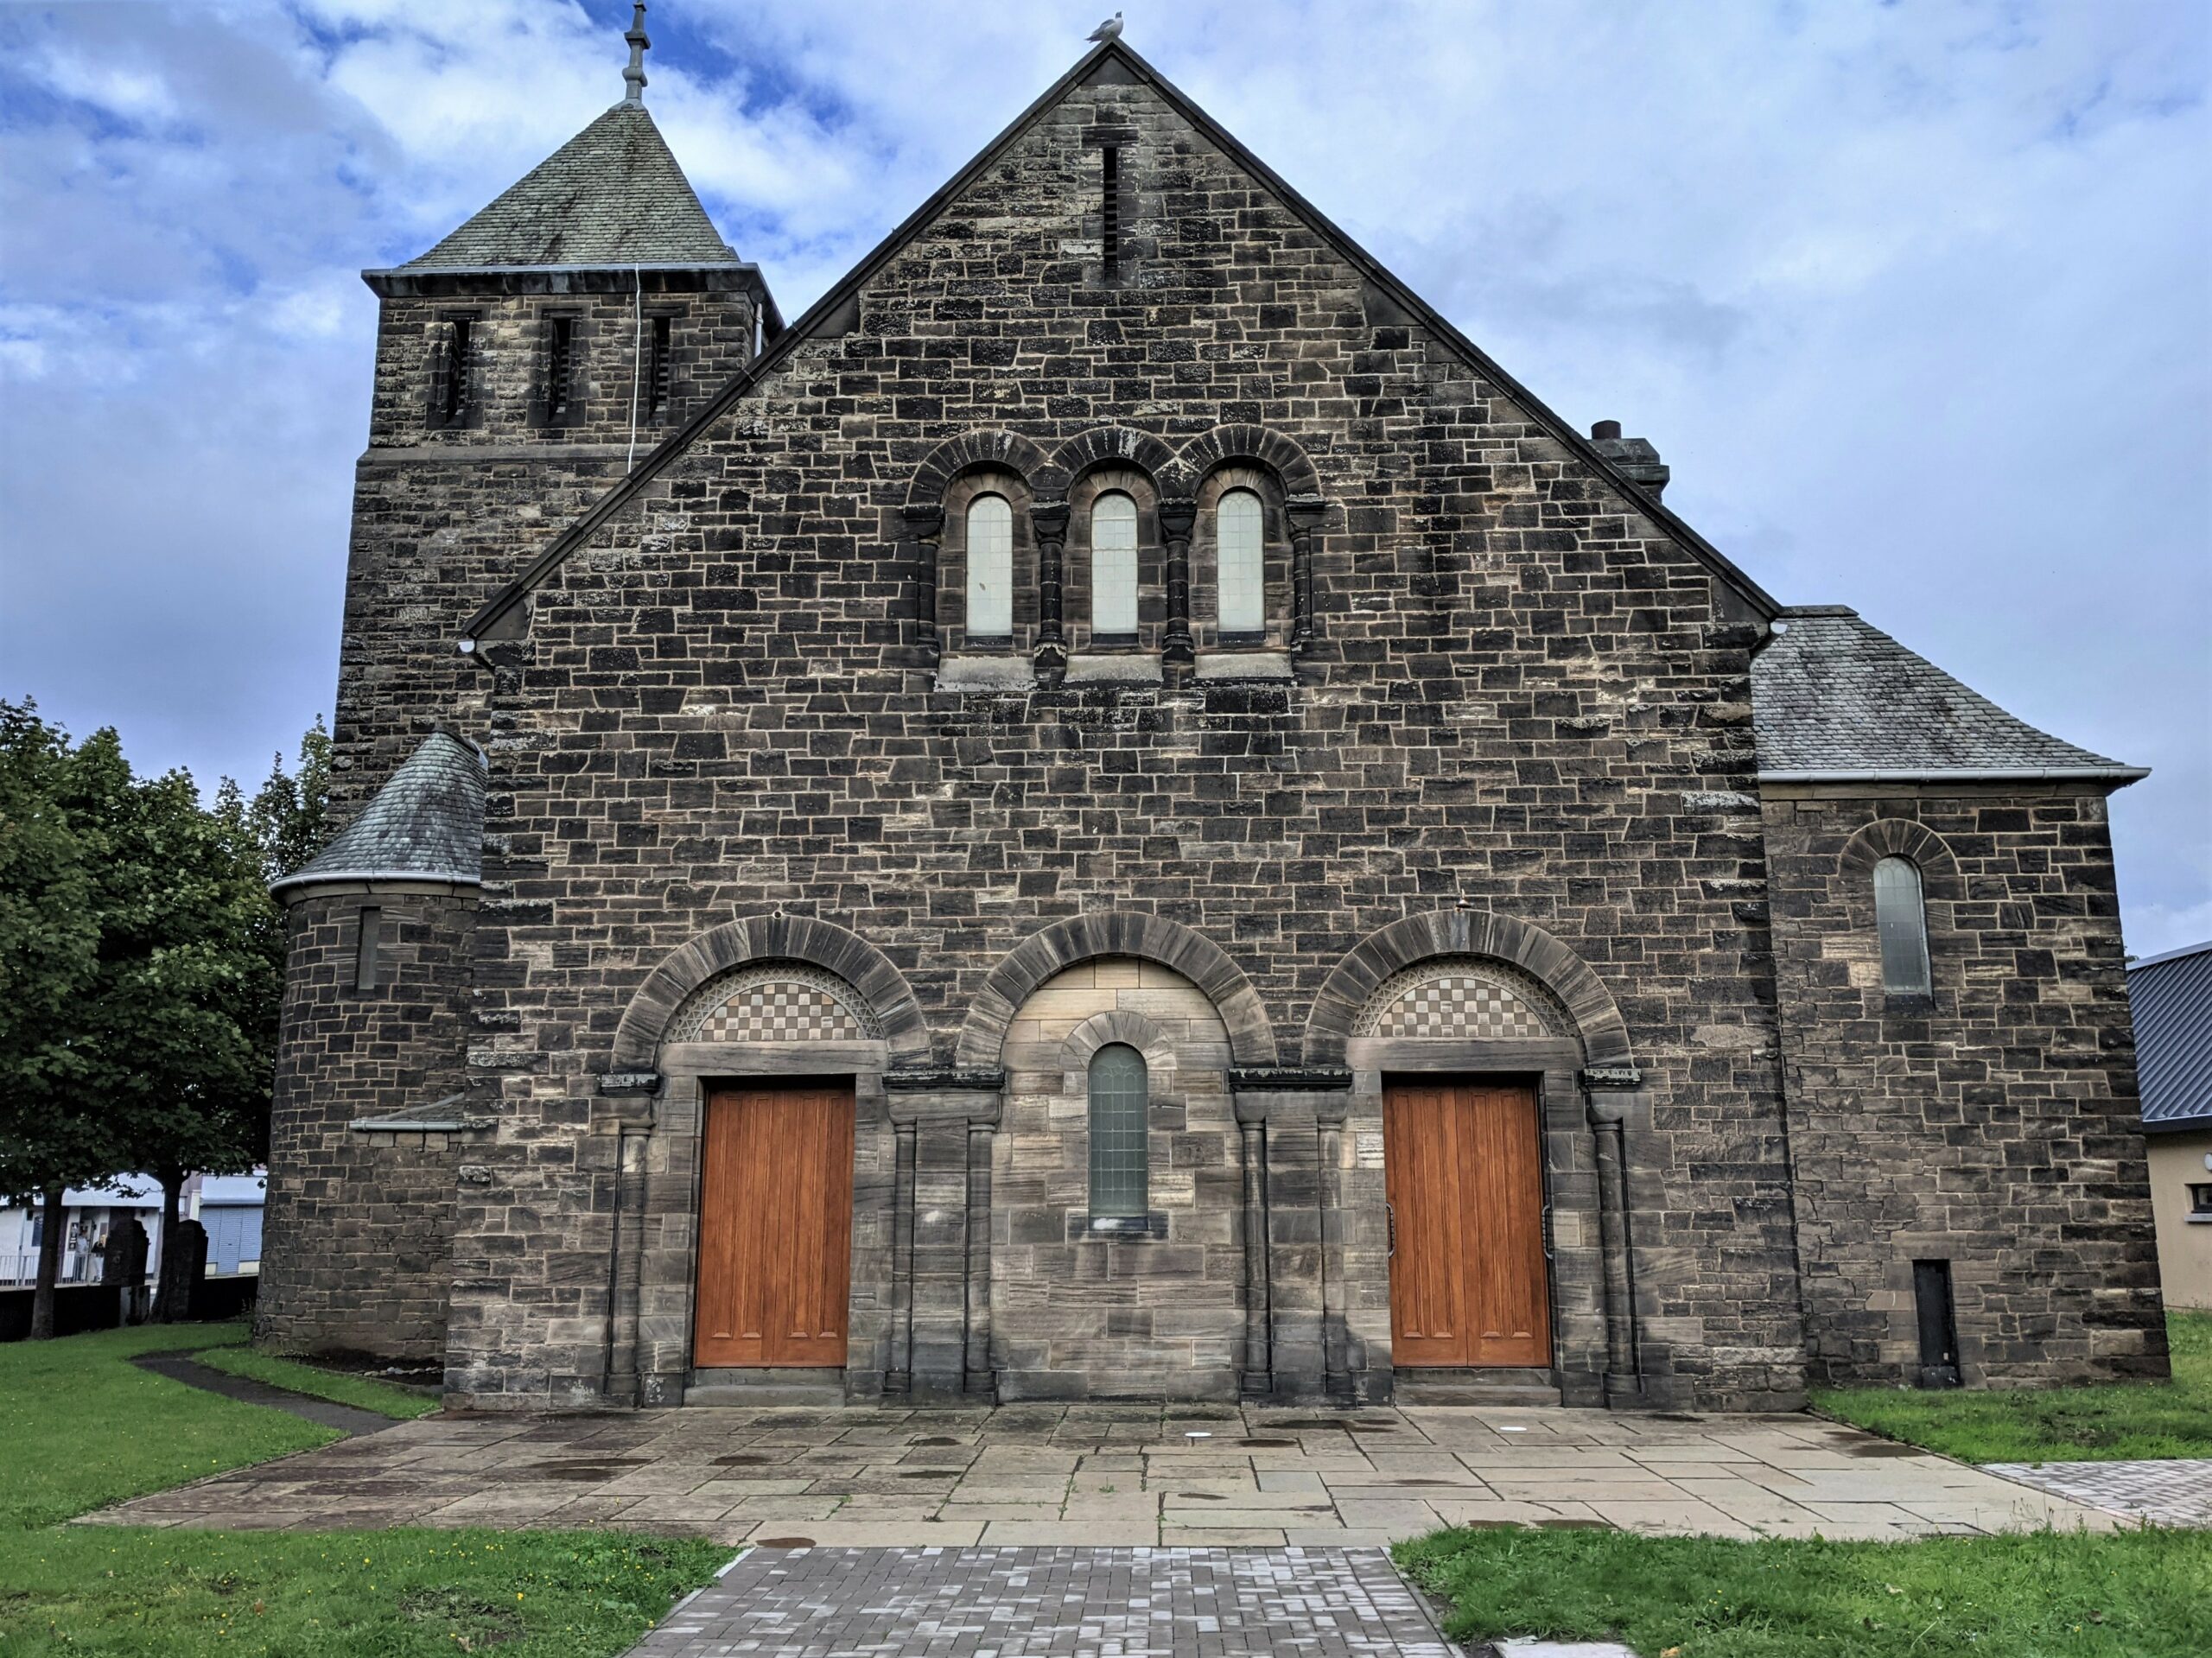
[(1117, 811)]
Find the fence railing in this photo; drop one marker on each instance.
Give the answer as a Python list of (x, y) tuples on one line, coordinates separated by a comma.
[(75, 1268)]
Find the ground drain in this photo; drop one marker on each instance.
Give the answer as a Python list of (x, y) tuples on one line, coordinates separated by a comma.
[(783, 1542), (740, 1459), (584, 1473)]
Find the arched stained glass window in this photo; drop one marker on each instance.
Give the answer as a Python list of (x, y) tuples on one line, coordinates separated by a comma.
[(990, 568), (1243, 557), (1119, 1150), (1113, 566), (1901, 919)]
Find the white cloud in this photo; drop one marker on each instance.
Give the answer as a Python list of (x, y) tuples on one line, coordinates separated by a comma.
[(1907, 295)]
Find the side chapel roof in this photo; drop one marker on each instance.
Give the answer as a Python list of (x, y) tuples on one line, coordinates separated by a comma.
[(1834, 699), (425, 824)]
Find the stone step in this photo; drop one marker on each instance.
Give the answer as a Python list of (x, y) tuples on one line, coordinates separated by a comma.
[(765, 1387), (1485, 1386)]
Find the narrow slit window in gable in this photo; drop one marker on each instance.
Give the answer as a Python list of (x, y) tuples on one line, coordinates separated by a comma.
[(1110, 213), (657, 370)]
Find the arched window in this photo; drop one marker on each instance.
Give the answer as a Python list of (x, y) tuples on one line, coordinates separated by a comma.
[(1901, 920), (990, 568), (1114, 567), (1119, 1152), (1239, 546)]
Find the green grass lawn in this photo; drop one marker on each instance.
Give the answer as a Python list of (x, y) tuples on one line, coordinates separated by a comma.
[(2138, 1594), (364, 1393), (2118, 1422), (82, 1427)]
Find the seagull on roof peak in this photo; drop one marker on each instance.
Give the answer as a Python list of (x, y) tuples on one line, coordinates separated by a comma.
[(1109, 30)]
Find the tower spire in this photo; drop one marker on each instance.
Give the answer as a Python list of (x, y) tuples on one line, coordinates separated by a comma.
[(633, 78)]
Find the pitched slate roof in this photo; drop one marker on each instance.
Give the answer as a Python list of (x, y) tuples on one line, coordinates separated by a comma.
[(425, 824), (1834, 698), (1114, 61), (612, 196), (2171, 996)]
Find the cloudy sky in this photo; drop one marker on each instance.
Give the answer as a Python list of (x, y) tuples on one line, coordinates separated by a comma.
[(1914, 298)]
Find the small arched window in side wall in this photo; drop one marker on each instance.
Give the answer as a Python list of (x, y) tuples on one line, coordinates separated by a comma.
[(1119, 1151), (1114, 569), (1901, 919), (990, 568), (1241, 547)]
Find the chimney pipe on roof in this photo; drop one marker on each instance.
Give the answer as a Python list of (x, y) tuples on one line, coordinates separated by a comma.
[(1634, 457)]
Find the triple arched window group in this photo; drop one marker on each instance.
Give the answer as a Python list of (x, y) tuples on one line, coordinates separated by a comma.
[(1114, 578)]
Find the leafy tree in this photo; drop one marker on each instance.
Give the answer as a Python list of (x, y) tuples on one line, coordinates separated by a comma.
[(288, 816), (141, 966), (52, 1134)]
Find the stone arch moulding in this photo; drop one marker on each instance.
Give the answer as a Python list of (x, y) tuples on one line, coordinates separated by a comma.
[(1258, 446), (1109, 446), (1900, 837), (1391, 949), (971, 451), (818, 944), (1086, 938)]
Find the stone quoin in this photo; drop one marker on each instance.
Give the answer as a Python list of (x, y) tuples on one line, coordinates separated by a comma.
[(1116, 811)]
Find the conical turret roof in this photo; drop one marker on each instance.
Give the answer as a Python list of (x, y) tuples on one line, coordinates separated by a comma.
[(425, 824)]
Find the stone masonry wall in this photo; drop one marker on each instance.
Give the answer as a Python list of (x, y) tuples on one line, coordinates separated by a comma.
[(443, 514), (359, 1226), (1525, 697), (1991, 1124)]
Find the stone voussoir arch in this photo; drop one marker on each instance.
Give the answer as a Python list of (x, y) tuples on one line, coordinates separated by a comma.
[(1259, 446), (1354, 981), (956, 457), (819, 943), (1121, 446), (1900, 837), (1087, 938)]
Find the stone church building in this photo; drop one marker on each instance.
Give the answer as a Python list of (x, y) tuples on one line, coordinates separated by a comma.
[(1117, 811)]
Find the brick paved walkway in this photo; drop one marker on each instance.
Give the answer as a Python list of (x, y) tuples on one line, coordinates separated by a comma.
[(2177, 1493), (1128, 1475), (1027, 1603)]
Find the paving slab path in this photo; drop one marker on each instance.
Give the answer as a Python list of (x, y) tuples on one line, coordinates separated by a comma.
[(1040, 1476), (1027, 1603)]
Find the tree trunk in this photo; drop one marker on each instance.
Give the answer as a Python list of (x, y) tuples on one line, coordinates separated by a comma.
[(49, 1264), (167, 1301)]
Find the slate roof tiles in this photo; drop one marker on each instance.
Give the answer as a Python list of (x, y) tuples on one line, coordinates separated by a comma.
[(1835, 697), (426, 824), (612, 196)]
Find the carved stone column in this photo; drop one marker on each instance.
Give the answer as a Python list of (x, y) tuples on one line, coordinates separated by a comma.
[(1303, 514), (899, 1375), (980, 1380), (1258, 1377), (1178, 651), (1049, 521), (1608, 1116), (944, 1119), (1336, 1333), (918, 550)]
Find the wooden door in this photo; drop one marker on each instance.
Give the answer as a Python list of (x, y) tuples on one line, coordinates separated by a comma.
[(1467, 1193), (775, 1227)]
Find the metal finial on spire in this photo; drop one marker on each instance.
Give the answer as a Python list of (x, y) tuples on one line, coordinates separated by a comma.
[(633, 78)]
